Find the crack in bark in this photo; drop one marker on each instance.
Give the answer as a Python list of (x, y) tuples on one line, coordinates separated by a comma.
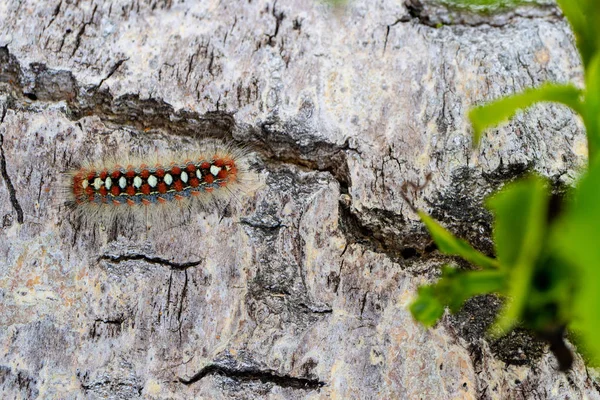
[(150, 260), (112, 71), (4, 173), (82, 30), (126, 110), (181, 300), (54, 14), (279, 17), (255, 374), (404, 18), (315, 309), (372, 236), (116, 324), (278, 145)]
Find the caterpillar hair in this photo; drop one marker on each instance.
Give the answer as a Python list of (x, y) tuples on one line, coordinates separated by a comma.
[(162, 187)]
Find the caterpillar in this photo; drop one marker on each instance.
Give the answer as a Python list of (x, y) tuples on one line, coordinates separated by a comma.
[(158, 186)]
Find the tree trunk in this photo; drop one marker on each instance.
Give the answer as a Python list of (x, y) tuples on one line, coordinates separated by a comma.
[(300, 288)]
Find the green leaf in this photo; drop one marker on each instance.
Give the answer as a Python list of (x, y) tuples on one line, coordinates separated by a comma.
[(449, 244), (520, 211), (502, 110), (427, 308), (576, 237), (584, 17), (591, 111), (452, 290)]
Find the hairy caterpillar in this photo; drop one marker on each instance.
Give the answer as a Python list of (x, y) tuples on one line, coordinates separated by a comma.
[(160, 186)]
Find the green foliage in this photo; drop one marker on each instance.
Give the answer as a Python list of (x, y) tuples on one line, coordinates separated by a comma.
[(547, 269), (504, 109), (449, 244), (452, 290), (591, 106), (519, 235), (576, 241), (584, 16)]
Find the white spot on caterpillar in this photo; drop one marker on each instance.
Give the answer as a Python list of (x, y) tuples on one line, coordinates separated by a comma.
[(84, 184), (214, 170), (137, 182), (152, 181), (184, 177), (199, 174), (122, 182), (108, 183), (168, 179), (98, 183)]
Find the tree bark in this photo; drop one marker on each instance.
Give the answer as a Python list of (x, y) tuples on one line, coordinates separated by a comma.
[(299, 290)]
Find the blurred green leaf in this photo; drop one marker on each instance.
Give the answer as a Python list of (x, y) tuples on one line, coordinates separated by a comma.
[(451, 245), (550, 299), (502, 110), (591, 111), (577, 240), (452, 290), (584, 17), (520, 220), (520, 211), (427, 307)]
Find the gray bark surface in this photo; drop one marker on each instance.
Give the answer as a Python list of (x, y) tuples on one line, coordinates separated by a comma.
[(301, 289)]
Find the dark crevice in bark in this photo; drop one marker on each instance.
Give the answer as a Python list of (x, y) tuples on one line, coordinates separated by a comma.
[(82, 31), (315, 309), (405, 18), (38, 82), (150, 260), (255, 374), (397, 247), (279, 17), (267, 228), (180, 311), (4, 173), (112, 71), (112, 327), (284, 142), (109, 321)]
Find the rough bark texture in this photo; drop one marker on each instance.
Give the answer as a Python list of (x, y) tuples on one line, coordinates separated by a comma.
[(301, 291)]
